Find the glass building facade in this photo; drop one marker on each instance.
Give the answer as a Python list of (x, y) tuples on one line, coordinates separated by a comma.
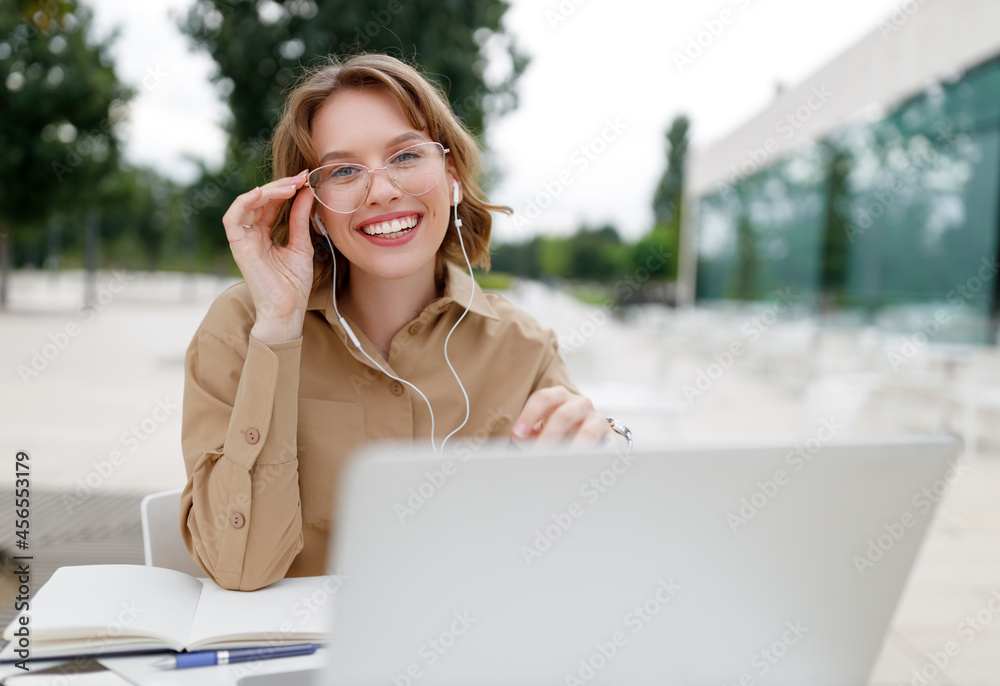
[(895, 218)]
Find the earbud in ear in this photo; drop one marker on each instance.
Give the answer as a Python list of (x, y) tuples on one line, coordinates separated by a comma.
[(458, 222), (319, 224)]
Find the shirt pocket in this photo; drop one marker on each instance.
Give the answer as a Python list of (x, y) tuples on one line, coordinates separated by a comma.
[(329, 431)]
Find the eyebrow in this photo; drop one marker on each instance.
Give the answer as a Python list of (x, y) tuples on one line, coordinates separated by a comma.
[(339, 154)]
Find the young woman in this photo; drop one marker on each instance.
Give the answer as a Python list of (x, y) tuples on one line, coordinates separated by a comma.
[(357, 321)]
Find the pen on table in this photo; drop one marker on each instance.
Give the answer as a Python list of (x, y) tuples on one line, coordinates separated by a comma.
[(205, 658)]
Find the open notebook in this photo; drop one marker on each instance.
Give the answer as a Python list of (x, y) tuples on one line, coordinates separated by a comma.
[(102, 609)]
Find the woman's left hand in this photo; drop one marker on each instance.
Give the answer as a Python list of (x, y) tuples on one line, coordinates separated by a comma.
[(554, 415)]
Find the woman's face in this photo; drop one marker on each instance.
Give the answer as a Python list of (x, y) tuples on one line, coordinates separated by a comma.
[(365, 126)]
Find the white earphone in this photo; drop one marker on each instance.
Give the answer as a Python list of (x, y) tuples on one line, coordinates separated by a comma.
[(319, 224)]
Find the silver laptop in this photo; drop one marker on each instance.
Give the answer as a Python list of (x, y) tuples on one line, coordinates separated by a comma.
[(778, 564)]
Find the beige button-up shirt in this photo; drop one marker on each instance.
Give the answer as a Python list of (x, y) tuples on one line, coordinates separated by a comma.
[(267, 428)]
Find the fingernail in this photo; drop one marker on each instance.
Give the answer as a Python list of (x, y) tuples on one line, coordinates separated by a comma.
[(521, 430), (303, 172)]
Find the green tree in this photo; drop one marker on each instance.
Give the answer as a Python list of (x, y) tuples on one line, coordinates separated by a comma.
[(59, 98), (835, 245), (657, 251), (258, 47), (553, 257), (140, 221), (59, 102), (596, 254), (519, 259), (668, 197), (747, 265)]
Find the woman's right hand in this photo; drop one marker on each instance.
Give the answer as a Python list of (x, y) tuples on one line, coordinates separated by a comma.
[(279, 278)]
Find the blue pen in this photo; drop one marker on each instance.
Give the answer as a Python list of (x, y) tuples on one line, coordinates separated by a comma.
[(205, 658)]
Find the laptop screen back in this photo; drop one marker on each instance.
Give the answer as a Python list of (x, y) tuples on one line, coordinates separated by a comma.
[(756, 565)]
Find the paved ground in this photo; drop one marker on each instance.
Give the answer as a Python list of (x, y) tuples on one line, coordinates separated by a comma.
[(95, 399)]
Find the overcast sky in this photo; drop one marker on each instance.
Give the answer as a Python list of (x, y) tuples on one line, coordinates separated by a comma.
[(605, 80)]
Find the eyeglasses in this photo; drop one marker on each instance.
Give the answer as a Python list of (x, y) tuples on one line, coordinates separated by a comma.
[(343, 188)]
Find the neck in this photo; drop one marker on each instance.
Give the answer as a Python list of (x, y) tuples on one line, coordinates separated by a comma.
[(381, 307)]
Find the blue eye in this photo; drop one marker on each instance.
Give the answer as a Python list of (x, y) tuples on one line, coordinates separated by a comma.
[(343, 172), (407, 157)]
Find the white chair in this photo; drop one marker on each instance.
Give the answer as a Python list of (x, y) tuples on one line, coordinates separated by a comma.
[(161, 535)]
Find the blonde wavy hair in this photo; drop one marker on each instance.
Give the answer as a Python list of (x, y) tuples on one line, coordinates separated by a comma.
[(426, 107)]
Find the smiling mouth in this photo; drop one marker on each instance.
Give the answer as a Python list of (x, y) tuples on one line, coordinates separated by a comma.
[(391, 229)]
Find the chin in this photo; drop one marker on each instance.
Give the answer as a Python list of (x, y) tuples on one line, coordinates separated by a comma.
[(399, 266)]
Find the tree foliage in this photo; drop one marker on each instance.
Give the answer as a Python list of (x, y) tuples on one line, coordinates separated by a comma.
[(835, 241), (59, 102), (258, 48), (141, 227), (592, 254), (667, 199), (658, 251)]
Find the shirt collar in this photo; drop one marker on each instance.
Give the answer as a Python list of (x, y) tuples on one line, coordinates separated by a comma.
[(457, 286)]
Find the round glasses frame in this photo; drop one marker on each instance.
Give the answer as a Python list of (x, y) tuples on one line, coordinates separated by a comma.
[(370, 174)]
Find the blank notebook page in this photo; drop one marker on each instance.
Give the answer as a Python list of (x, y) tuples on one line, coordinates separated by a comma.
[(286, 609)]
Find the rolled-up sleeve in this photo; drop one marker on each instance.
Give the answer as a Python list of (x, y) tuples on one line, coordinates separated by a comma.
[(241, 516)]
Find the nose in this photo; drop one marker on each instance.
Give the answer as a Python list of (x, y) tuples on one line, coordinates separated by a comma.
[(381, 189)]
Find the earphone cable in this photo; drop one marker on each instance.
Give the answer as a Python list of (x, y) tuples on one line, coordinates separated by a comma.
[(357, 344), (472, 292), (347, 329)]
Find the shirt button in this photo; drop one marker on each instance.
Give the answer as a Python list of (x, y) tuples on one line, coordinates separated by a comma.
[(396, 388), (415, 329), (252, 436), (236, 519)]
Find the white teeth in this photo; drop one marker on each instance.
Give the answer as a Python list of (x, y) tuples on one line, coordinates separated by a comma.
[(390, 229)]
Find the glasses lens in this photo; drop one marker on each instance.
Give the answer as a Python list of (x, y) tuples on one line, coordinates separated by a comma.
[(340, 187), (417, 169)]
